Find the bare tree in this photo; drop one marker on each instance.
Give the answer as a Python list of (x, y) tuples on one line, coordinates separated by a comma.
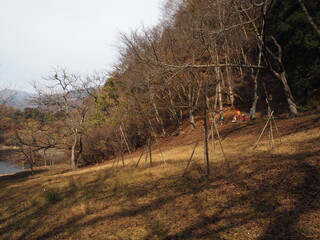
[(71, 94)]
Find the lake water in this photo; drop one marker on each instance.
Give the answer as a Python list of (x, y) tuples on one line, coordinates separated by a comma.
[(6, 167)]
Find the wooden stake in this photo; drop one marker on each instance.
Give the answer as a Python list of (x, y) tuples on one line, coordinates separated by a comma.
[(145, 160), (150, 152), (189, 161), (140, 156), (212, 138), (220, 142), (256, 144), (163, 159), (126, 142), (274, 122)]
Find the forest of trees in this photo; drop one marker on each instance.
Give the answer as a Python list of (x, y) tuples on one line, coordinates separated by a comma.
[(204, 56)]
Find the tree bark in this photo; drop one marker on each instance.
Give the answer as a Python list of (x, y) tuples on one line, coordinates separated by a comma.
[(73, 152), (191, 118), (292, 106), (205, 147), (220, 96), (309, 18)]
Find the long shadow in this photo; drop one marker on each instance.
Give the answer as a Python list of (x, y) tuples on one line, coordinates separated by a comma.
[(301, 126), (283, 225), (20, 175), (268, 179), (263, 198), (128, 212)]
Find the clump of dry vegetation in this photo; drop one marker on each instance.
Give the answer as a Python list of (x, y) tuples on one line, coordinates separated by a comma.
[(263, 194)]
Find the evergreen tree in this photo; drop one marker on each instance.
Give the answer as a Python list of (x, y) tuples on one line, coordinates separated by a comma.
[(300, 43)]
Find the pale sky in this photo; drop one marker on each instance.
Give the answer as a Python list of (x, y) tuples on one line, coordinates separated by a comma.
[(80, 35)]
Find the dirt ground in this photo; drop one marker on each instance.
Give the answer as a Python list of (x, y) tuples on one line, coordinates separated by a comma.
[(266, 193)]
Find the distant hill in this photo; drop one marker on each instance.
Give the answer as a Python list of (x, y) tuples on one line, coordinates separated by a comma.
[(19, 99)]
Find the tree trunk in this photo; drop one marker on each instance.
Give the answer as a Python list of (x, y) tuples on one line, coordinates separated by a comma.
[(73, 154), (255, 98), (174, 113), (220, 96), (158, 117), (256, 89), (191, 118), (292, 106), (230, 87), (205, 147), (150, 150)]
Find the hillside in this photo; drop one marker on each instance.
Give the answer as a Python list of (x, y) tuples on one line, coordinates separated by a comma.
[(19, 99), (258, 194)]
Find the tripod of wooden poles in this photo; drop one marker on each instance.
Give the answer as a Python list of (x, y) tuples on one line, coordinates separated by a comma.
[(147, 149), (272, 125), (206, 137)]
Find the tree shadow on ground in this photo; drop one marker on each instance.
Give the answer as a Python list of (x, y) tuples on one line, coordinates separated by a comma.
[(261, 189), (21, 175), (263, 194)]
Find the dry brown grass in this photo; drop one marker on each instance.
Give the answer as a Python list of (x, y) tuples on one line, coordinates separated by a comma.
[(262, 195)]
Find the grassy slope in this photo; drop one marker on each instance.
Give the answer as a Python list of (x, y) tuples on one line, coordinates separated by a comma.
[(262, 195)]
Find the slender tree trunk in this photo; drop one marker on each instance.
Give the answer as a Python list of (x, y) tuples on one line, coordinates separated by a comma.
[(174, 113), (255, 88), (230, 87), (150, 150), (309, 18), (73, 152), (191, 118), (220, 96), (292, 106), (255, 98), (158, 117), (205, 147), (79, 157), (216, 99)]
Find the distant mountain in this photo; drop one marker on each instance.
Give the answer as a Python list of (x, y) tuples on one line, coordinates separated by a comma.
[(19, 99)]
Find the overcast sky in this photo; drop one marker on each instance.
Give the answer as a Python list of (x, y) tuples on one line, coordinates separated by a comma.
[(37, 35)]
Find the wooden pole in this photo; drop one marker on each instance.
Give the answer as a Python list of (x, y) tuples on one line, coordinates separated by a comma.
[(126, 142), (256, 144), (157, 142), (205, 147), (220, 142), (121, 152), (212, 137), (150, 152), (189, 161), (271, 134), (140, 157), (147, 152), (274, 122)]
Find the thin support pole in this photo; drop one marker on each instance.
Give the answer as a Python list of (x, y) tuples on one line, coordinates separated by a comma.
[(140, 157), (121, 152), (271, 134), (150, 150), (157, 142), (274, 122), (147, 152), (189, 161), (220, 142), (256, 144), (212, 138), (126, 142)]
